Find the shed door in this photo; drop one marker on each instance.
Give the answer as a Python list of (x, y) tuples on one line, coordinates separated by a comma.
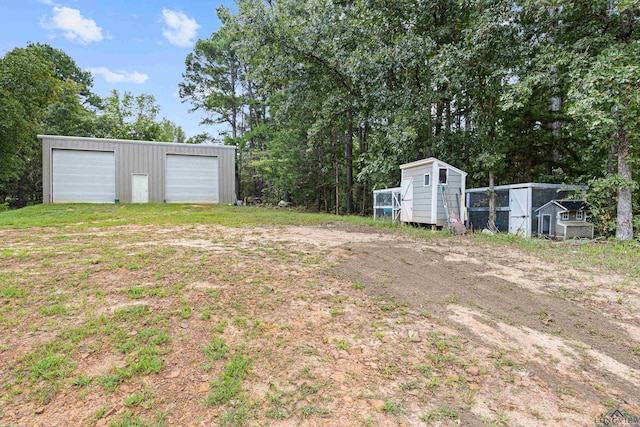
[(406, 214), (139, 188), (191, 179), (83, 176), (518, 217)]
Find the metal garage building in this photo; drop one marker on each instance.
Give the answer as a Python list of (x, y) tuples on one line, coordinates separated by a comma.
[(94, 170)]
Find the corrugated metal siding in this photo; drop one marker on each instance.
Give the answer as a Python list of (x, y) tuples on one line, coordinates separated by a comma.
[(141, 157)]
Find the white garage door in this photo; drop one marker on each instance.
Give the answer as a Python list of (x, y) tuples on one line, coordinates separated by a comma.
[(191, 179), (83, 176)]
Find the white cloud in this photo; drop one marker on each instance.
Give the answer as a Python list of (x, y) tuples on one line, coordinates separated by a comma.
[(179, 30), (76, 27), (121, 77)]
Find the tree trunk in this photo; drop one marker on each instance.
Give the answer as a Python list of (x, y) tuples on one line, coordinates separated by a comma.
[(325, 191), (624, 229), (349, 165), (360, 188), (337, 185)]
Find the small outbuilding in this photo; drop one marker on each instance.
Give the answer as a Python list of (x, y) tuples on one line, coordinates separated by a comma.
[(386, 204), (564, 219), (95, 170), (432, 193), (516, 205)]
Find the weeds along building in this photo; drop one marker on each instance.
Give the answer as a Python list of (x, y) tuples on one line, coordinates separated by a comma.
[(94, 170)]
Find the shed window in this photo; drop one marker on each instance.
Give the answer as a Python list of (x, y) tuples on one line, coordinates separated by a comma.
[(564, 216), (442, 176), (427, 179), (579, 216)]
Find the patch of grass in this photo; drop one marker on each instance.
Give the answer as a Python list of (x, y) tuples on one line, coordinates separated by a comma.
[(236, 417), (500, 360), (229, 385), (185, 311), (111, 381), (392, 407), (221, 325), (99, 413), (82, 381), (241, 322), (146, 364), (341, 344), (143, 399), (440, 413), (542, 314), (54, 310), (135, 292), (409, 385), (128, 314), (537, 413), (216, 349), (110, 215), (613, 255), (127, 419), (279, 403), (12, 292), (452, 299), (51, 366)]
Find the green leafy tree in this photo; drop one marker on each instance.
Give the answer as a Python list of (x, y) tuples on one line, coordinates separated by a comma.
[(28, 84), (135, 117), (608, 102), (67, 69)]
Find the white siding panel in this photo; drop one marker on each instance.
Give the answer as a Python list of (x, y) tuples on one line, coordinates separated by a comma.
[(83, 176), (192, 179)]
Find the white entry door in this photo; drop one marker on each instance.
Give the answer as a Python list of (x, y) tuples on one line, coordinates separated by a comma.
[(140, 188), (406, 212), (518, 215)]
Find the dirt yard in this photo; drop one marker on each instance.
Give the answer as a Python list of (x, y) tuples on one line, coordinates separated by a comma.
[(303, 326)]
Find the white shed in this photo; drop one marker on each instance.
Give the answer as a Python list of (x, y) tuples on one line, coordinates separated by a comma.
[(432, 191)]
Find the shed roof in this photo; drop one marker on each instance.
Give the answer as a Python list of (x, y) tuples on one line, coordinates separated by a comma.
[(131, 141), (531, 185), (430, 160), (388, 190), (568, 205)]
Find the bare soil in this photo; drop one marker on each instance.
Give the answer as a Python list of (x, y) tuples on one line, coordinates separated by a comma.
[(343, 326)]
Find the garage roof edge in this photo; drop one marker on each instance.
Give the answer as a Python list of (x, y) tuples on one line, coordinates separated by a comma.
[(133, 141)]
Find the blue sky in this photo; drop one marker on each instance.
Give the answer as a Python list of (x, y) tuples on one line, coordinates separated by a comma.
[(130, 45)]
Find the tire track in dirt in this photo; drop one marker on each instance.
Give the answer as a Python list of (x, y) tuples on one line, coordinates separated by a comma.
[(569, 343)]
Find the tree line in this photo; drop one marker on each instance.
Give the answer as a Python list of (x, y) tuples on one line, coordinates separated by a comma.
[(43, 91), (326, 98)]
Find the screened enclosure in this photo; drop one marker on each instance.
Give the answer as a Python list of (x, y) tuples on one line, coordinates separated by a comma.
[(516, 205), (386, 204)]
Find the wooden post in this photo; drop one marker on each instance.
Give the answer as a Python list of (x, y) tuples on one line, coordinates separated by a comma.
[(491, 225)]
